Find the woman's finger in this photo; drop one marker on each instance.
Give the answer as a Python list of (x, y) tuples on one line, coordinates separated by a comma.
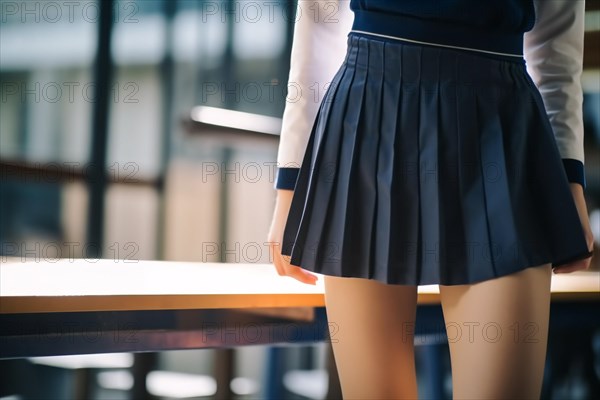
[(301, 275), (284, 268), (574, 266), (297, 272), (276, 254)]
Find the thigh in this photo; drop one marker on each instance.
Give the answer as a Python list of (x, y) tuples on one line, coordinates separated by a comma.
[(498, 333), (371, 329)]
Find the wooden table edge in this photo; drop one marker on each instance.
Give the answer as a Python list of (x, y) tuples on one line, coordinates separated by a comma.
[(48, 304)]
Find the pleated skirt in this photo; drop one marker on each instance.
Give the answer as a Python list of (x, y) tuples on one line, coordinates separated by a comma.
[(430, 165)]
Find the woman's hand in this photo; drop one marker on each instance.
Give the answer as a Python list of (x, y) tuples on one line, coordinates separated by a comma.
[(275, 238), (579, 198)]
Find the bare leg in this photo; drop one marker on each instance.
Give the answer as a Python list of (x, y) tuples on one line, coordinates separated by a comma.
[(498, 333), (371, 329)]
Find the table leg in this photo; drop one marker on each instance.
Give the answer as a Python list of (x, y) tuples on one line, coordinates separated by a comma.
[(224, 371), (143, 363)]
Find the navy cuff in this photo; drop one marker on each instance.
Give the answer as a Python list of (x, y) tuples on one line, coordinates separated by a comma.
[(286, 178), (575, 171)]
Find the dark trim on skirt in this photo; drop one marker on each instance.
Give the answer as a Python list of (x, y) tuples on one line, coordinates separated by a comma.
[(430, 165)]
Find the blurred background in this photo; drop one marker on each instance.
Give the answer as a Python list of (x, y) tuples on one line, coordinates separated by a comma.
[(111, 147)]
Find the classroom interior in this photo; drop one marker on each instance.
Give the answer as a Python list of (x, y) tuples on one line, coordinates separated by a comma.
[(144, 131)]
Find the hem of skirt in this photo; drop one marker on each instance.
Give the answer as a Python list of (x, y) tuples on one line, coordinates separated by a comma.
[(579, 257), (529, 264)]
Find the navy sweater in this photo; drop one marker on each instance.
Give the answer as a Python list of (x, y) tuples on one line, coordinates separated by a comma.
[(490, 25), (481, 24)]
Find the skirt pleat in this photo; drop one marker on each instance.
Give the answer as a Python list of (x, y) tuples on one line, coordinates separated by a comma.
[(428, 165)]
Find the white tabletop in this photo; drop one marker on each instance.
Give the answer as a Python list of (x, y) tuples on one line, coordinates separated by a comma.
[(29, 285)]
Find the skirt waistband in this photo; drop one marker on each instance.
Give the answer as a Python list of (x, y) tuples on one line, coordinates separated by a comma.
[(462, 50), (427, 65)]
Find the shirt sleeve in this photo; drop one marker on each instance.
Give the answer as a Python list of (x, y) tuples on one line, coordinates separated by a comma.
[(553, 50), (318, 50)]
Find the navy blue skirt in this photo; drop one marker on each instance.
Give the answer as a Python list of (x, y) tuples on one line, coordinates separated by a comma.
[(430, 165)]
